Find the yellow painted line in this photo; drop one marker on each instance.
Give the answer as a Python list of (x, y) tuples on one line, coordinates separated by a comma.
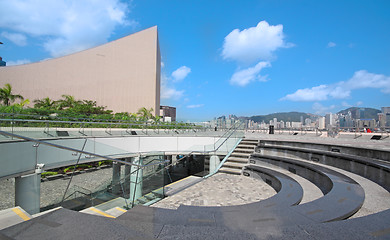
[(120, 209), (178, 181), (115, 199), (101, 213), (21, 214)]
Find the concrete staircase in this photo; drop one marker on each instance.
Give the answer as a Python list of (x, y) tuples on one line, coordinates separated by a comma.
[(239, 158)]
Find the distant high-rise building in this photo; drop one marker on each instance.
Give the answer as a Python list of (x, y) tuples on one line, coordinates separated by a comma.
[(282, 125), (382, 119), (330, 120), (2, 63), (307, 122), (168, 112), (386, 110), (360, 113), (321, 123)]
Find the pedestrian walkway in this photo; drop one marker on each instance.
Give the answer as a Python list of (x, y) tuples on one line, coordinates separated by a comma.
[(220, 189)]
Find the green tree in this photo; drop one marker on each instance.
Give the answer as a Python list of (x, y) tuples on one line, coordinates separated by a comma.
[(44, 103), (22, 103), (68, 101), (6, 95), (145, 114)]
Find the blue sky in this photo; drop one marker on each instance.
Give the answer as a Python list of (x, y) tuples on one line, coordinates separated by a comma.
[(226, 57)]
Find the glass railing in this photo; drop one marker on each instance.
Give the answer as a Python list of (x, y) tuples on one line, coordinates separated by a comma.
[(45, 127), (84, 172)]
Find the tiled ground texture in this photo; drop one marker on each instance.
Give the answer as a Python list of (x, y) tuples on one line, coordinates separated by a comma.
[(220, 190)]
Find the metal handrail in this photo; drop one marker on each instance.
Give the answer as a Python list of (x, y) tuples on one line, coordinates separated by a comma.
[(232, 129), (105, 157), (106, 123), (67, 148)]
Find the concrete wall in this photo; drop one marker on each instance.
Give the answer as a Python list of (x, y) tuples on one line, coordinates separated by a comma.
[(19, 158), (123, 75)]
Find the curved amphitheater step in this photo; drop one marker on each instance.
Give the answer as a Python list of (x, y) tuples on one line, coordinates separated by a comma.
[(376, 197), (342, 195), (310, 191), (239, 158)]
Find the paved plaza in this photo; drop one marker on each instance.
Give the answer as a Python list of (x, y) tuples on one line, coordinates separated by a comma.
[(220, 189)]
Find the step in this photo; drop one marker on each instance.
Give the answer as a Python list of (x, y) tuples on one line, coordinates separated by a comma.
[(246, 146), (180, 185), (237, 154), (45, 212), (230, 170), (116, 211), (97, 212), (237, 159), (245, 150), (251, 141), (234, 165), (12, 216), (111, 204)]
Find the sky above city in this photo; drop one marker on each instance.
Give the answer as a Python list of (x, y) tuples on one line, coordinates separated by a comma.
[(225, 57)]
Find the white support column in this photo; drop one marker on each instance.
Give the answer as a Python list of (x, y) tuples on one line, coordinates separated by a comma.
[(116, 176), (136, 180), (28, 191), (214, 162), (126, 184)]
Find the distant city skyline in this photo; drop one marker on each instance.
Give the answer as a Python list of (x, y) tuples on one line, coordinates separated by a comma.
[(351, 120), (226, 57)]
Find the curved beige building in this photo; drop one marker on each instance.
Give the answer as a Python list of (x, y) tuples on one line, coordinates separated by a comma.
[(123, 75)]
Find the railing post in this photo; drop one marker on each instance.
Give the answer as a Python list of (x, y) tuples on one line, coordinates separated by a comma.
[(116, 176), (136, 180), (28, 191)]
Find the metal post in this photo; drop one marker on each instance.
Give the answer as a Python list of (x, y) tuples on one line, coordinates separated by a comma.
[(127, 179), (116, 176), (28, 191), (136, 180), (214, 162)]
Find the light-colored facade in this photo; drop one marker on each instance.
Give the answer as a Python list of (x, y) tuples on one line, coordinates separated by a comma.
[(123, 75)]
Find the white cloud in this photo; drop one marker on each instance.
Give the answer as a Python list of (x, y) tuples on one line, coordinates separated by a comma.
[(244, 77), (17, 38), (341, 90), (65, 26), (195, 106), (359, 103), (321, 109), (180, 73), (364, 79), (168, 91), (255, 43), (171, 93), (18, 62), (331, 44), (318, 93)]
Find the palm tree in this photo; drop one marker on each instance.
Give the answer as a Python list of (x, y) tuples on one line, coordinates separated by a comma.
[(44, 103), (6, 95), (145, 114), (68, 101), (22, 103)]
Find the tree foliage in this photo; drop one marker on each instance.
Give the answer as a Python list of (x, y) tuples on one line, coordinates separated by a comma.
[(6, 95)]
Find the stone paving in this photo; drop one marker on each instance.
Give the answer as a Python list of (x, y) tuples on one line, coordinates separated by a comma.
[(220, 189)]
